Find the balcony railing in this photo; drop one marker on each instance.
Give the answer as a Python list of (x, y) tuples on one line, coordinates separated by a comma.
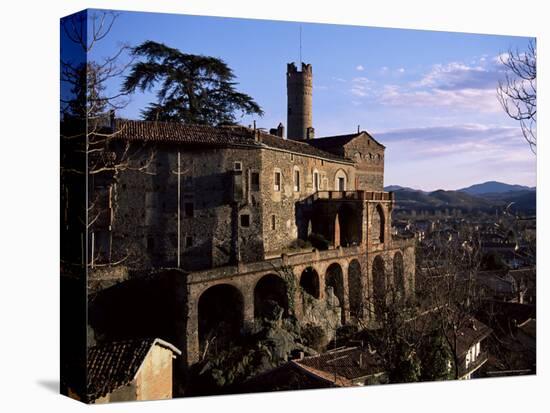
[(354, 195)]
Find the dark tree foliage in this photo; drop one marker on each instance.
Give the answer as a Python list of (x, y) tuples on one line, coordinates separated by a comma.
[(191, 88), (435, 358)]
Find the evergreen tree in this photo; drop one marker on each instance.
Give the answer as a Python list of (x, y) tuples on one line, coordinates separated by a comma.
[(191, 88)]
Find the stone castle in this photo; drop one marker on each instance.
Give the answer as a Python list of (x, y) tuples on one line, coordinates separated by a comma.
[(243, 216)]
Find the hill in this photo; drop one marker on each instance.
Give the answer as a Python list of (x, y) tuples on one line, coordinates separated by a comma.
[(494, 187)]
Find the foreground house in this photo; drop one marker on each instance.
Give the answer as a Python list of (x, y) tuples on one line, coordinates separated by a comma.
[(471, 348), (138, 369)]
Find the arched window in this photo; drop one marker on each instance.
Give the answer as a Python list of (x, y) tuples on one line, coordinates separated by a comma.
[(340, 180), (378, 225)]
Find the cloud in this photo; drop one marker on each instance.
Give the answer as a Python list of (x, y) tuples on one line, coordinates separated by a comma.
[(483, 100), (453, 156), (360, 68), (361, 86), (401, 70), (456, 76)]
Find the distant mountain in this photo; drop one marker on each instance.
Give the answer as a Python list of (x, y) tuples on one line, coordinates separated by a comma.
[(519, 200), (493, 187), (413, 199), (391, 188)]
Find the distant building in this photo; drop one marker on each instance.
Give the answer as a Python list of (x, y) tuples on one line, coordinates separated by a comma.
[(340, 367)]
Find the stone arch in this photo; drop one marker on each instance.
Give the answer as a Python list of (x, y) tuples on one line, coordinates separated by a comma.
[(334, 278), (270, 291), (378, 224), (340, 177), (220, 315), (355, 288), (399, 273), (309, 281), (349, 224), (379, 284)]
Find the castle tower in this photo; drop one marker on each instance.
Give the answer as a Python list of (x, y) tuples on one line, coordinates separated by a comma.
[(299, 86)]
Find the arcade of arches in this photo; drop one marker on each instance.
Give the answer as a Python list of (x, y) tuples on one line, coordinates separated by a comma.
[(224, 308)]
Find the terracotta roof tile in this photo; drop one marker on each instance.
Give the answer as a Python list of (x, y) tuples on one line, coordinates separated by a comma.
[(179, 133), (326, 142)]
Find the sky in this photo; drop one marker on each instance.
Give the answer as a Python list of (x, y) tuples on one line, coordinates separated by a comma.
[(429, 97)]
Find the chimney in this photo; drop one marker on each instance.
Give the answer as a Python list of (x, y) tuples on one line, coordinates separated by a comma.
[(278, 131), (310, 134), (281, 130)]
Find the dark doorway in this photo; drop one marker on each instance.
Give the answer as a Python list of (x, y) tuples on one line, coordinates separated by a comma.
[(335, 278), (220, 312), (309, 281)]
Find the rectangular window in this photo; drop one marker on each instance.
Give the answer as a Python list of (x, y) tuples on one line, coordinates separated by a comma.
[(188, 184), (189, 209), (297, 181), (341, 184), (277, 186), (316, 181), (238, 166), (291, 156), (245, 220), (188, 241), (254, 181), (273, 222)]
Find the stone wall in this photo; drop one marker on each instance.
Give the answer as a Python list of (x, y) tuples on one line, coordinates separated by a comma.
[(280, 206), (369, 159), (213, 197), (154, 378)]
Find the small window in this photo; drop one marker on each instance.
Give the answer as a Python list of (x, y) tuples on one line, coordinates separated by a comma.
[(255, 181), (189, 209), (150, 243), (188, 183), (277, 186), (238, 166), (297, 181), (291, 156), (188, 241), (245, 220), (341, 184), (273, 222), (316, 181)]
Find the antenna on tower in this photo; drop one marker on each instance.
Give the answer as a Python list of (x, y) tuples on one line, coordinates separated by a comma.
[(300, 44)]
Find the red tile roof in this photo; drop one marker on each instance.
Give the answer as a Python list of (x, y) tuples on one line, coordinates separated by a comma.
[(326, 142), (180, 133)]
